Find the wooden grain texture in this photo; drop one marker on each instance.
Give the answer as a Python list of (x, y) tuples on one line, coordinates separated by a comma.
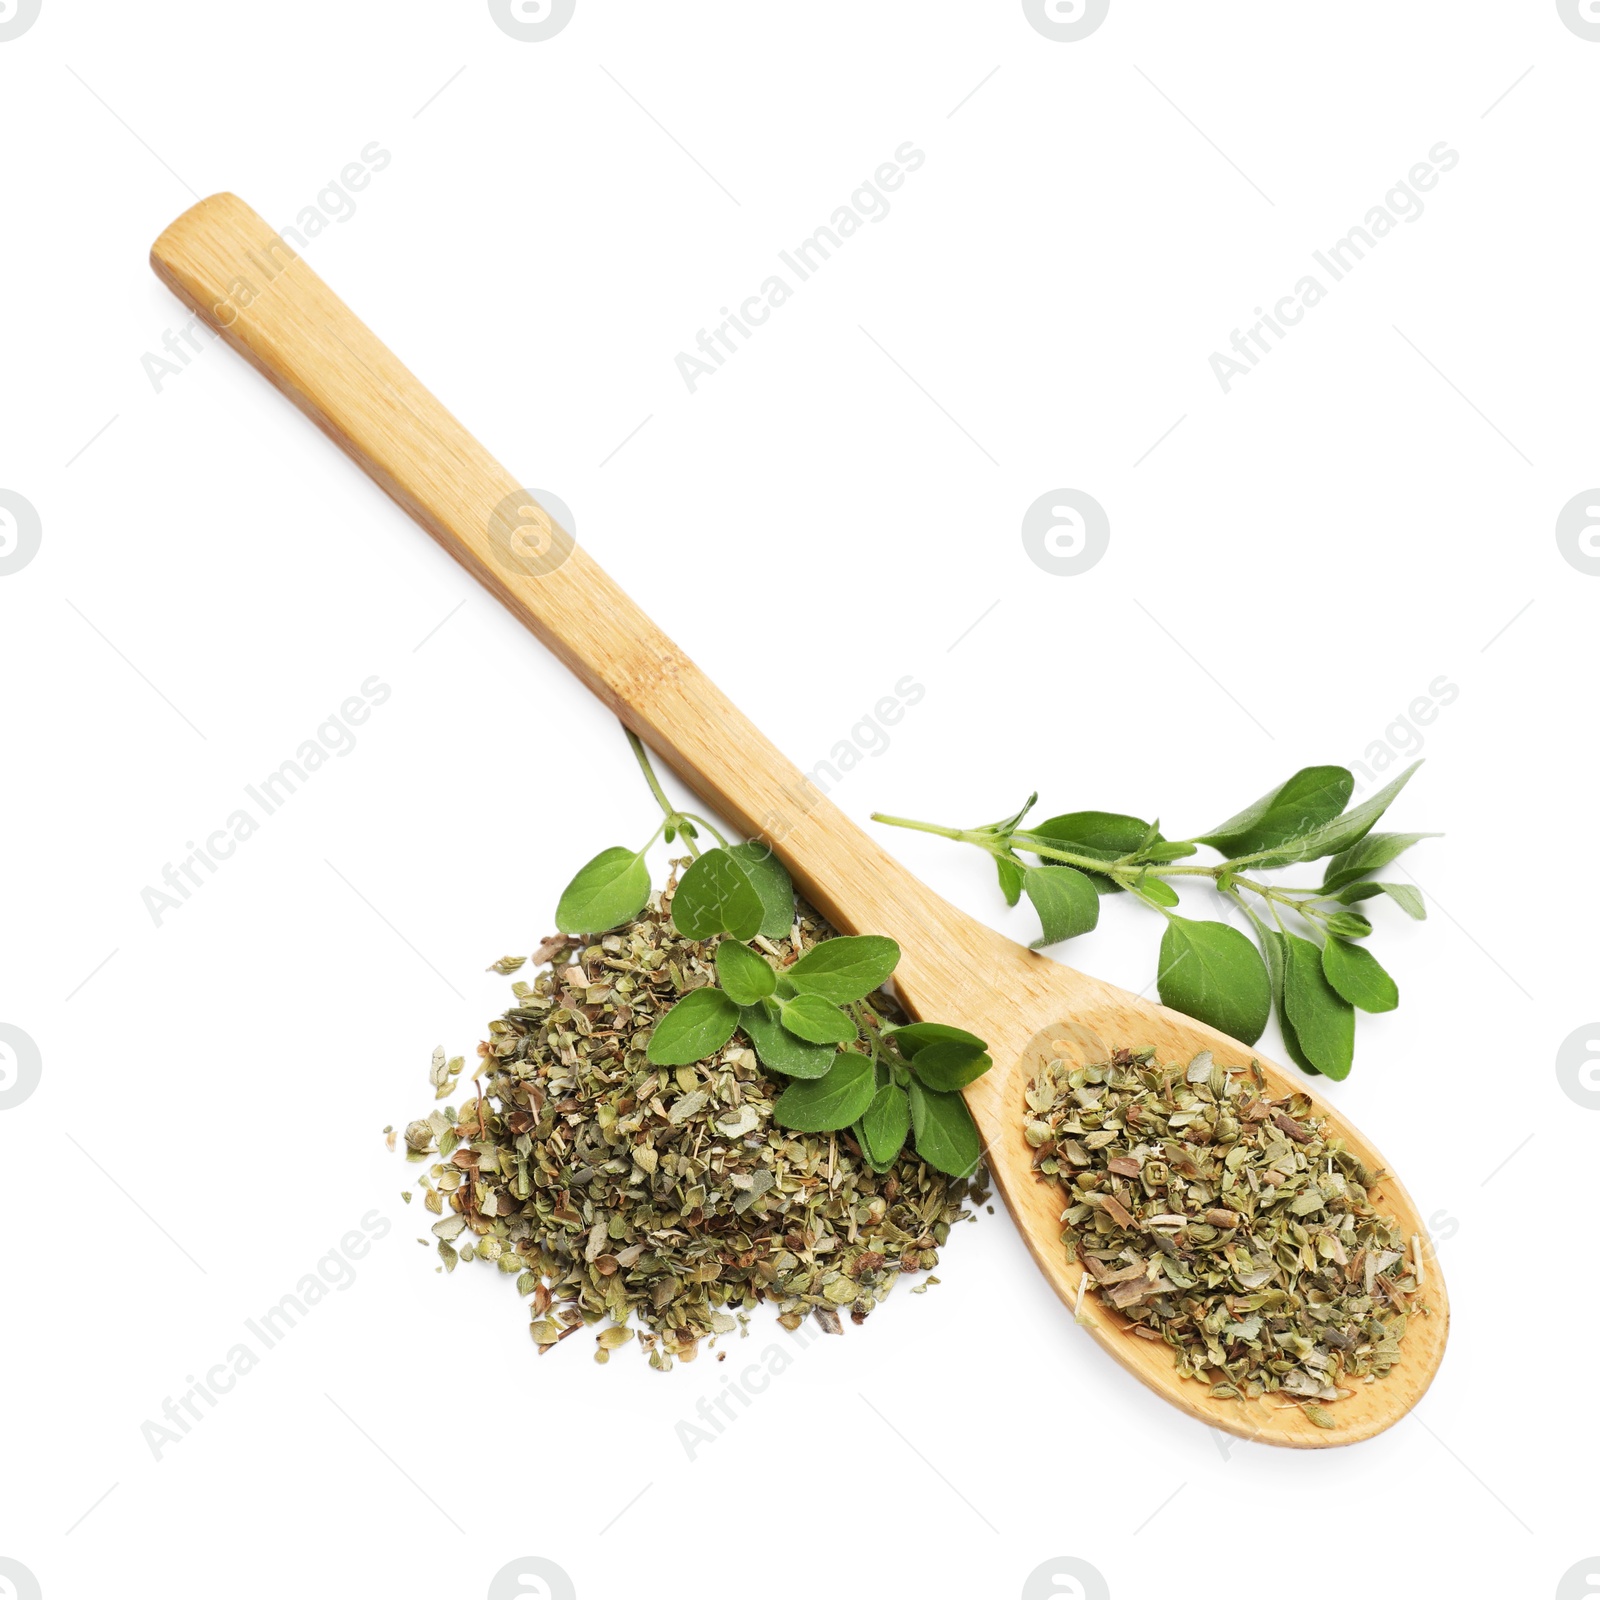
[(228, 265)]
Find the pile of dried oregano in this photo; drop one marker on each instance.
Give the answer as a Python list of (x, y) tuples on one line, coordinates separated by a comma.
[(615, 1189), (1221, 1221)]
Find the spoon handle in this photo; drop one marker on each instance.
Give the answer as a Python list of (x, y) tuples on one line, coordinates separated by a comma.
[(230, 267)]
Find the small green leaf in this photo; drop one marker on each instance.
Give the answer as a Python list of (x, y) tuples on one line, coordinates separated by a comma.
[(1065, 900), (945, 1135), (879, 1167), (1010, 871), (1157, 891), (1010, 824), (1324, 1022), (831, 1102), (1163, 851), (744, 974), (915, 1036), (1212, 972), (697, 1027), (610, 890), (1359, 976), (1404, 895), (1408, 897), (780, 1051), (1272, 946), (1313, 796), (885, 1124), (1374, 852), (1348, 925), (716, 896), (809, 1016), (949, 1066), (843, 970), (770, 879), (1338, 835)]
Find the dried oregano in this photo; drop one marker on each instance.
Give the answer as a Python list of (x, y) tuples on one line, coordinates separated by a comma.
[(1224, 1222), (615, 1188)]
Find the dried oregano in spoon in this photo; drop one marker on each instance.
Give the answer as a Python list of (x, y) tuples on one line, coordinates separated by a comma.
[(1221, 1220), (616, 1187)]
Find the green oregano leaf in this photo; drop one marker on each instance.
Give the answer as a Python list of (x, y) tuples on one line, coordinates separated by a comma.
[(780, 1051), (716, 896), (1348, 925), (1164, 850), (949, 1066), (771, 881), (1372, 854), (844, 970), (1335, 836), (1157, 891), (1324, 1022), (1011, 823), (698, 1026), (610, 890), (745, 975), (1277, 956), (861, 1139), (916, 1036), (829, 1103), (1010, 871), (945, 1135), (1407, 896), (1358, 976), (810, 1017), (885, 1124), (1212, 972), (1313, 796), (1065, 900)]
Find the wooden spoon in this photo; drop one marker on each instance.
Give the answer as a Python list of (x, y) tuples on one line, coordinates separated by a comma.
[(231, 268)]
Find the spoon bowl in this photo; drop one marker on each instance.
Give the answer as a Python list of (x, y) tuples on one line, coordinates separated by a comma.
[(1033, 1010)]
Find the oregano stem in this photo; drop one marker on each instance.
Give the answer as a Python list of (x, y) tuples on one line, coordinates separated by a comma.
[(661, 828), (642, 756), (1245, 906), (923, 827), (1121, 869), (999, 844), (675, 818)]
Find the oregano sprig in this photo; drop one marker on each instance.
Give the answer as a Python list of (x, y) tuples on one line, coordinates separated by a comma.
[(1310, 970), (613, 887), (810, 1022)]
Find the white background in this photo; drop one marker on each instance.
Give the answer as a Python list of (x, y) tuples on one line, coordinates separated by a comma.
[(1293, 564)]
